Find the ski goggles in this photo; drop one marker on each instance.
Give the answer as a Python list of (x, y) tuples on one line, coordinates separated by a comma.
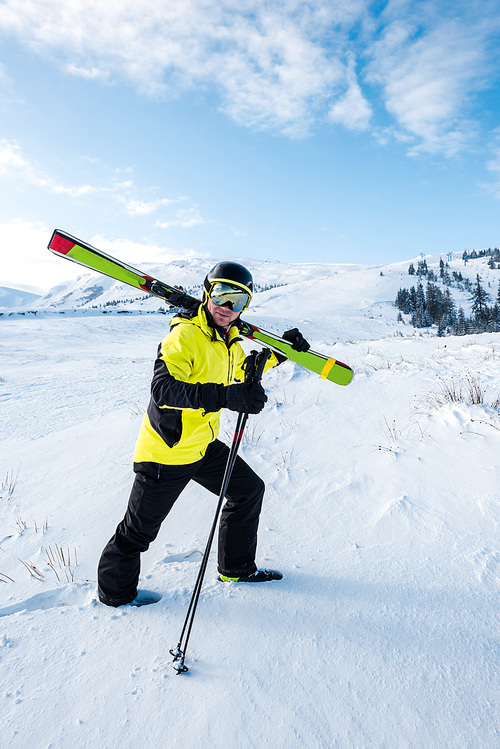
[(223, 293)]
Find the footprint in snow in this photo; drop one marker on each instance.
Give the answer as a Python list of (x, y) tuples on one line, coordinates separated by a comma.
[(188, 556), (73, 594)]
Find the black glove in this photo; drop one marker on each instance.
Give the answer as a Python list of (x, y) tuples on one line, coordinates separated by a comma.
[(247, 397), (211, 396), (297, 340)]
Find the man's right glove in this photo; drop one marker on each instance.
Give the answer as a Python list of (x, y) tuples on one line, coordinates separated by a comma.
[(247, 397)]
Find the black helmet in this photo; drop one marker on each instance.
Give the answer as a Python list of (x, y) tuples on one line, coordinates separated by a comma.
[(232, 273)]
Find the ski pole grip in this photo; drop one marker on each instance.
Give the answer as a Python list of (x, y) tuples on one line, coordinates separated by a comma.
[(260, 363)]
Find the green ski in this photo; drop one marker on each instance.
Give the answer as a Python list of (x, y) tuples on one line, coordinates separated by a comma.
[(65, 245)]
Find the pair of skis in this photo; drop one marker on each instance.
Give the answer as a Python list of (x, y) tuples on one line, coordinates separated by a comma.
[(65, 245)]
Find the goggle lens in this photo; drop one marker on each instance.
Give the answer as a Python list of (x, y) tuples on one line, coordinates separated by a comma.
[(222, 293)]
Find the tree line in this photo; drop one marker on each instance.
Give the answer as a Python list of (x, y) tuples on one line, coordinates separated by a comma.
[(433, 306)]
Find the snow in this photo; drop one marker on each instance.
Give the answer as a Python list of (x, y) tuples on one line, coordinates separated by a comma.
[(13, 298), (381, 509)]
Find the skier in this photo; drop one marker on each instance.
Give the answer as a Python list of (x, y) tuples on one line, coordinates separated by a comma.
[(198, 371)]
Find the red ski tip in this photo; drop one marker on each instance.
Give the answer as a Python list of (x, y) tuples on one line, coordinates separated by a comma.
[(60, 244)]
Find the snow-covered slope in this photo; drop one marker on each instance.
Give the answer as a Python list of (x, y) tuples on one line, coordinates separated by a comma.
[(382, 510), (346, 301), (11, 298), (92, 288)]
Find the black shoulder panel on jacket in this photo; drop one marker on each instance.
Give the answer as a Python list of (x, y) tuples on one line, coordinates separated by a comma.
[(187, 314)]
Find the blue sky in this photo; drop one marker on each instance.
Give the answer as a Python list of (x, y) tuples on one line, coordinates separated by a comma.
[(293, 131)]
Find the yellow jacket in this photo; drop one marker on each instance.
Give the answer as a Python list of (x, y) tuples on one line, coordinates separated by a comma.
[(176, 429)]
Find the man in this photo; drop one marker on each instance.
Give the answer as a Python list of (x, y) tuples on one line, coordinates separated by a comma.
[(199, 371)]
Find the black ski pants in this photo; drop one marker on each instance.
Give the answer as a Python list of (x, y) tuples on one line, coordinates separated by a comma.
[(155, 490)]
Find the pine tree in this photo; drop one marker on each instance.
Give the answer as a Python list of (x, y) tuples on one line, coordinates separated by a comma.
[(461, 326), (479, 299), (413, 299), (422, 268), (448, 305), (403, 301), (434, 303), (419, 318), (495, 318)]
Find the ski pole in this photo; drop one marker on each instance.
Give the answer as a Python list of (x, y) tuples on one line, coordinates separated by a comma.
[(255, 364)]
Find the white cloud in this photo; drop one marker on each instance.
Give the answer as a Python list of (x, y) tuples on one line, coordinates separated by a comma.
[(88, 73), (14, 165), (283, 65), (6, 85), (134, 207), (275, 76), (141, 252), (428, 78), (33, 268), (352, 110), (4, 78), (11, 159), (275, 64), (493, 166), (185, 218)]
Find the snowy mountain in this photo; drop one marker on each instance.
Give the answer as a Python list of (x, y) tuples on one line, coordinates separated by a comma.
[(357, 301), (12, 298), (381, 509)]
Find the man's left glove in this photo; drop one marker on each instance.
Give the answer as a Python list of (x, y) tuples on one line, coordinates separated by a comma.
[(244, 397), (295, 337)]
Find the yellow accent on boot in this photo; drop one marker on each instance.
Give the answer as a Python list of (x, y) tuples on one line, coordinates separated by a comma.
[(225, 579)]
